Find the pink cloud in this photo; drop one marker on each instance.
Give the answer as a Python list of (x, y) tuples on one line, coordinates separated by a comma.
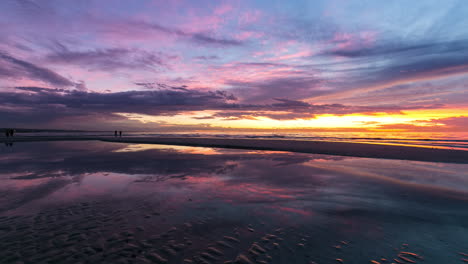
[(244, 72), (223, 9), (296, 55), (248, 35), (350, 41), (250, 17), (196, 22)]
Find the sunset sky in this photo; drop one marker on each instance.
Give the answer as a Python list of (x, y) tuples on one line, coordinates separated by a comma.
[(173, 65)]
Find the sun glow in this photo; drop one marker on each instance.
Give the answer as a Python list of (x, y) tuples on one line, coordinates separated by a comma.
[(419, 118)]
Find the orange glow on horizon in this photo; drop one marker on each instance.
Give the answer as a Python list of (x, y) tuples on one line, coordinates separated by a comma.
[(420, 118)]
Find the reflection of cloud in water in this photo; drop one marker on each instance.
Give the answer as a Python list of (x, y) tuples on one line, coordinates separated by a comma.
[(184, 149), (266, 179), (331, 198), (446, 179)]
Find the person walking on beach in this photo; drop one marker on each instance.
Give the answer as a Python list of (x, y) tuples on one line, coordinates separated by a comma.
[(7, 132), (120, 133), (12, 133), (115, 133)]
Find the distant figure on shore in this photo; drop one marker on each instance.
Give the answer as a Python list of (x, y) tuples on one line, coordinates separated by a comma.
[(115, 133), (120, 133), (9, 132)]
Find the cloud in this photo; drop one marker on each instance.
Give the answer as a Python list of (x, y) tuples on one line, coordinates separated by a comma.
[(206, 39), (34, 105), (111, 58), (407, 59), (402, 49), (15, 68), (38, 105), (211, 57), (293, 86), (454, 121), (137, 26), (451, 124), (304, 30), (390, 63)]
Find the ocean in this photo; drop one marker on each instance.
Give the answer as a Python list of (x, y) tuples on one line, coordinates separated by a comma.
[(445, 140)]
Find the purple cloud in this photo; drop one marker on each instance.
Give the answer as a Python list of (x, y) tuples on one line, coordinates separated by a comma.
[(14, 68), (403, 60), (134, 26), (211, 57), (293, 87), (206, 39), (36, 105), (111, 59)]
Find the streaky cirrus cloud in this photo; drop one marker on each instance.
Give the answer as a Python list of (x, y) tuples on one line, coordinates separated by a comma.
[(144, 29), (11, 67), (112, 59)]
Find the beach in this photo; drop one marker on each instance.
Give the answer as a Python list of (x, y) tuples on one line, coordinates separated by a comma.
[(385, 151), (233, 132), (91, 201)]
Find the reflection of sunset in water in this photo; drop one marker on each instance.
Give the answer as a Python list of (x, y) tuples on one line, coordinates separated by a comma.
[(327, 199), (185, 149)]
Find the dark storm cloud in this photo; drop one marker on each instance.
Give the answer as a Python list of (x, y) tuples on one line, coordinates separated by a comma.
[(15, 68)]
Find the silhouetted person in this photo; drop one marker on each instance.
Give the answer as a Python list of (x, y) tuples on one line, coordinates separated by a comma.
[(115, 133), (7, 132), (120, 133), (13, 132)]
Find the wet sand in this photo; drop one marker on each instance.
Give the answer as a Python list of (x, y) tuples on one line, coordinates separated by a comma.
[(135, 231), (101, 202), (301, 146)]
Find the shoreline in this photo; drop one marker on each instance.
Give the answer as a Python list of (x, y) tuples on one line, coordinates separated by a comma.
[(363, 150)]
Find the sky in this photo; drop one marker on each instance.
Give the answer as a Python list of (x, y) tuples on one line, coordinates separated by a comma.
[(174, 65)]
